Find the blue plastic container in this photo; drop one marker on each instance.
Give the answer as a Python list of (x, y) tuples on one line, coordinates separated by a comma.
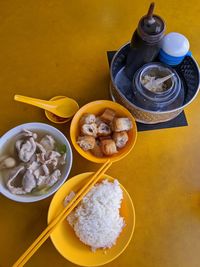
[(174, 48)]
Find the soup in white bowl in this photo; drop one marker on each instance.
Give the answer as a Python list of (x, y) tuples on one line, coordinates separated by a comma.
[(35, 160)]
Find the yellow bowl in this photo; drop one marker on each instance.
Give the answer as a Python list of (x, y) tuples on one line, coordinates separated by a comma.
[(68, 244), (97, 108)]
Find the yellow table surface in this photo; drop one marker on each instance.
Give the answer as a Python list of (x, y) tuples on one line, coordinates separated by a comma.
[(50, 48)]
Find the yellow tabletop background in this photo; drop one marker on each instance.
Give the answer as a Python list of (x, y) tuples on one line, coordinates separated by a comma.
[(50, 48)]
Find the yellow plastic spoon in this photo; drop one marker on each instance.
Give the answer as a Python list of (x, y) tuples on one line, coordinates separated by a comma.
[(64, 107)]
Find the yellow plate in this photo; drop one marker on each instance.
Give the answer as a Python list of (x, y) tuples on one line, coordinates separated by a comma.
[(68, 244), (97, 108)]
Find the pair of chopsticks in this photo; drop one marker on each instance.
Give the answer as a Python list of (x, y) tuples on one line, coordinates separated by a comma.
[(62, 215)]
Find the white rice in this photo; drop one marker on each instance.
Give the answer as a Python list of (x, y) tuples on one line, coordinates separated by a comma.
[(97, 221)]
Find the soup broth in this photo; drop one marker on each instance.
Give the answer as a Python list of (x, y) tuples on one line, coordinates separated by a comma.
[(42, 186)]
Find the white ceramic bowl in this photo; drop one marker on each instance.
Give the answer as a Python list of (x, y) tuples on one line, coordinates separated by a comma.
[(66, 170)]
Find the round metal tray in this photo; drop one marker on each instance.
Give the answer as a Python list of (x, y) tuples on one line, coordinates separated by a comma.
[(188, 71)]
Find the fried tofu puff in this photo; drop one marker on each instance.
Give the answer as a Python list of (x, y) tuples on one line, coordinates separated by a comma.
[(121, 124), (103, 129), (120, 139), (96, 150), (103, 135), (108, 115), (108, 147), (86, 142), (98, 121), (89, 129), (87, 119)]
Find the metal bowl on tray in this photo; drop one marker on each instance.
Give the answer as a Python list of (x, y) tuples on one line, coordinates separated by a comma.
[(122, 92)]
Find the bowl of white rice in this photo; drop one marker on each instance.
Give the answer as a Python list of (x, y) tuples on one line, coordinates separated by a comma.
[(100, 228)]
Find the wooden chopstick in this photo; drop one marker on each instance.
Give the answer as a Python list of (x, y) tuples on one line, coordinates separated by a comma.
[(62, 215)]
